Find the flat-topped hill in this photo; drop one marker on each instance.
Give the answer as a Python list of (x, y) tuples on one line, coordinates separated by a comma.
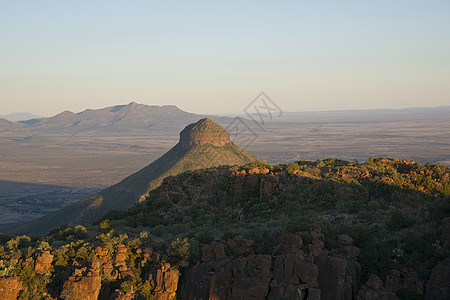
[(204, 132)]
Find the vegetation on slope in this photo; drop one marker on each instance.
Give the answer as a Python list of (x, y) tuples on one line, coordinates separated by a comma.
[(127, 192), (392, 208)]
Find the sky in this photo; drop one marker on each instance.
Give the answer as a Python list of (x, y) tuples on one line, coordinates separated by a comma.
[(217, 56)]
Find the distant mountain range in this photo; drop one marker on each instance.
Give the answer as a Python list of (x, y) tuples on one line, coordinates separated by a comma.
[(19, 116), (119, 118)]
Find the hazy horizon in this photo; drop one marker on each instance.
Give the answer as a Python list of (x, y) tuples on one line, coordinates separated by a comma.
[(19, 113)]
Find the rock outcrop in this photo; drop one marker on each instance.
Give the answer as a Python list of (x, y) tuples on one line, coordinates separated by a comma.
[(373, 290), (257, 178), (165, 282), (232, 270), (438, 287), (43, 262), (10, 287), (204, 132), (85, 283), (404, 279)]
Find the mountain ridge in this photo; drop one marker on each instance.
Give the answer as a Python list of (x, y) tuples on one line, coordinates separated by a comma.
[(118, 118)]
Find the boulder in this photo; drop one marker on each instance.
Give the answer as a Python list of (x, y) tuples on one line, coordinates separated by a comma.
[(165, 282), (338, 277), (405, 278), (374, 283), (43, 262), (102, 254), (373, 290), (10, 287), (345, 240), (120, 255), (290, 243), (82, 287), (438, 286)]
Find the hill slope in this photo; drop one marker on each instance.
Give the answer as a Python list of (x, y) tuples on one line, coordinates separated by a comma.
[(327, 229), (202, 145)]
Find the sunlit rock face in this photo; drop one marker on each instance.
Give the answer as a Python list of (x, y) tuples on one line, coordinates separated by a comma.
[(203, 132)]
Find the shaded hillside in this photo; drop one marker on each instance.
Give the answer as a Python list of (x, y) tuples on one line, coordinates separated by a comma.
[(6, 125), (199, 152), (327, 229), (385, 204), (117, 118)]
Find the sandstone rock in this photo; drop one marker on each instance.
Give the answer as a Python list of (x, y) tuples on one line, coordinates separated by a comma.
[(345, 240), (43, 262), (120, 255), (165, 282), (253, 181), (278, 271), (213, 251), (258, 171), (316, 233), (338, 278), (289, 267), (286, 292), (291, 275), (374, 283), (438, 286), (306, 272), (373, 290), (315, 250), (262, 265), (249, 287), (200, 281), (203, 132), (82, 287), (349, 252), (220, 283), (102, 254), (10, 287), (145, 253), (290, 243), (124, 296), (406, 278), (314, 294), (243, 246), (267, 184)]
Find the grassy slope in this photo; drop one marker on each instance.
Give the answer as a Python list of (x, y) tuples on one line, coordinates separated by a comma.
[(125, 193)]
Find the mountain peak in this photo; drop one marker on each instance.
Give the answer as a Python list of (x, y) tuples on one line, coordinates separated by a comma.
[(203, 132)]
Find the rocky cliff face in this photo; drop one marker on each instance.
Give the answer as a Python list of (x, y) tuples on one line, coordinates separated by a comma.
[(203, 132), (256, 178), (438, 287), (10, 287), (297, 270)]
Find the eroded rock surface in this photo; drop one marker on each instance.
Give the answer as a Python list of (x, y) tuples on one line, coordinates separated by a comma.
[(438, 287), (290, 273), (43, 262), (203, 132), (10, 287)]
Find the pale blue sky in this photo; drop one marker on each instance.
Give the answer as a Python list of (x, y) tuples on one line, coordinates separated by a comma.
[(215, 57)]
